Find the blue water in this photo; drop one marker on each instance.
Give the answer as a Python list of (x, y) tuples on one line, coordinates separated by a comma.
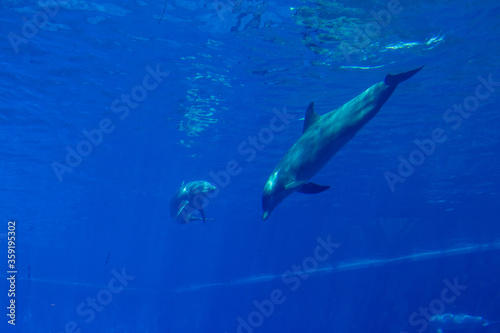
[(223, 68)]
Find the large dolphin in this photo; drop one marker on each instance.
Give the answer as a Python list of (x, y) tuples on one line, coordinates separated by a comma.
[(323, 136), (189, 198), (450, 321)]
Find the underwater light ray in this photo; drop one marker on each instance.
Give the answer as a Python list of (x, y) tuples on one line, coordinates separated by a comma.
[(359, 264), (339, 267)]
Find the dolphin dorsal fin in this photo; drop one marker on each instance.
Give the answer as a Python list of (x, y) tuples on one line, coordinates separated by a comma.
[(311, 117)]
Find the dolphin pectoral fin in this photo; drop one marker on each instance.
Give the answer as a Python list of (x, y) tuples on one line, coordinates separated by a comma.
[(394, 80), (311, 117), (181, 207), (293, 185), (311, 188)]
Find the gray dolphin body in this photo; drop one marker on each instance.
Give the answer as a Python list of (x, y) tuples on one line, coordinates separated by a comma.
[(189, 198), (323, 136), (450, 321)]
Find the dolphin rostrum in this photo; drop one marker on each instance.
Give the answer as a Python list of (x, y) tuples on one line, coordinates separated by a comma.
[(323, 136), (189, 198), (450, 321)]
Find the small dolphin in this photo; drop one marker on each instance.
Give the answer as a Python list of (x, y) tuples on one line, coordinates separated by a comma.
[(450, 321), (323, 136), (189, 198)]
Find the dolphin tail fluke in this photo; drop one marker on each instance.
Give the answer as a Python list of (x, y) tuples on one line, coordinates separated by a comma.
[(203, 215), (394, 80), (195, 218)]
